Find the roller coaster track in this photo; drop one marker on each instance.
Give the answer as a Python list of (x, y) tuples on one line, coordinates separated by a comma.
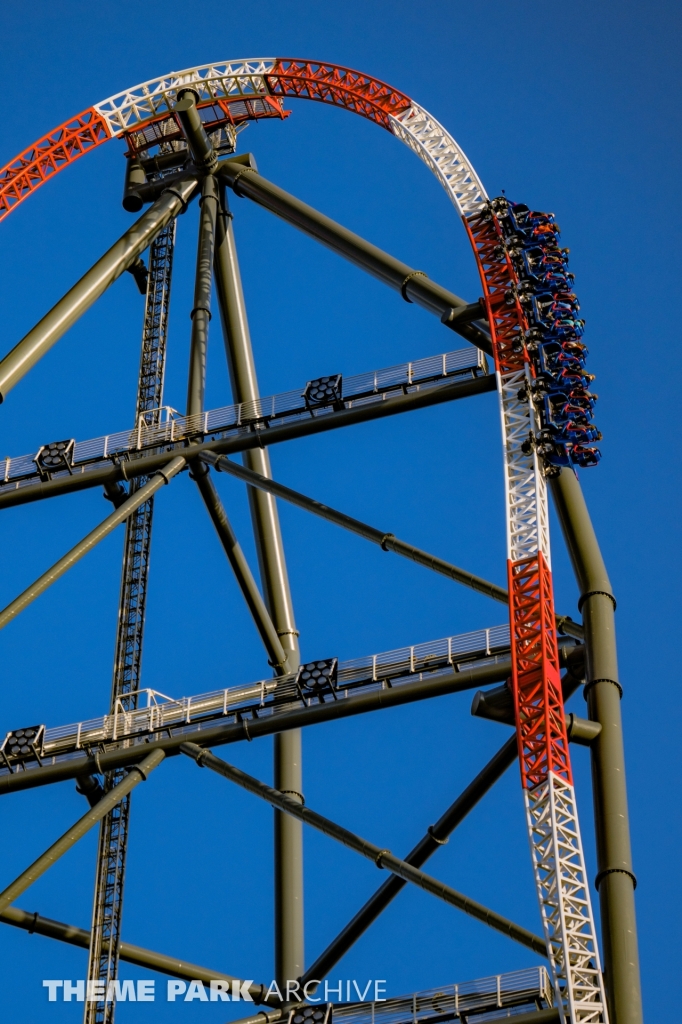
[(230, 91)]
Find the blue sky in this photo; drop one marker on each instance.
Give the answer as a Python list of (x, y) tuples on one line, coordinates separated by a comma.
[(571, 109)]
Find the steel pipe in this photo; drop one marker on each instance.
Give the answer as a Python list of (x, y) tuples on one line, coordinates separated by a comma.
[(241, 569), (413, 285), (137, 955), (64, 314), (200, 145), (201, 311), (381, 857), (466, 677), (289, 930), (386, 541), (120, 514), (275, 434), (138, 773), (615, 876)]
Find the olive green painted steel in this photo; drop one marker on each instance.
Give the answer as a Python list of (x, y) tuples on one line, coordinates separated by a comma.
[(201, 311), (615, 877), (435, 837), (288, 872), (200, 145), (137, 774), (240, 567), (413, 285), (119, 515), (386, 541), (169, 965), (274, 435), (466, 677), (122, 255), (381, 857)]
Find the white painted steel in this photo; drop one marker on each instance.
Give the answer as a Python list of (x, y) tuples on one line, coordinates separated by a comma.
[(525, 485), (436, 147), (231, 79), (562, 885), (226, 80)]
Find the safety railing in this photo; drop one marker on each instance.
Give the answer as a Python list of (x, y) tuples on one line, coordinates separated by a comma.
[(492, 998), (361, 389), (268, 696)]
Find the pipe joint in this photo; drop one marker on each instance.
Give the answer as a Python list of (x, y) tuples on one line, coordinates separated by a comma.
[(441, 842), (233, 183), (406, 281), (387, 541), (201, 309), (593, 682), (596, 593), (614, 871), (378, 860), (294, 792)]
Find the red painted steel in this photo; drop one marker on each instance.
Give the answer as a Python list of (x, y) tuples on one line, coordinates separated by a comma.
[(45, 158), (505, 316), (342, 87), (536, 681)]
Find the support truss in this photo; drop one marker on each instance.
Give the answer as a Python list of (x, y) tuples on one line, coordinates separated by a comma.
[(105, 936)]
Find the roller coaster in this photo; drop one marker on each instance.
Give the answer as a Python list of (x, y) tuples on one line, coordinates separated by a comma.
[(180, 133)]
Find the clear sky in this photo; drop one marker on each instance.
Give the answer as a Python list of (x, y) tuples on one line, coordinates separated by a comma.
[(571, 108)]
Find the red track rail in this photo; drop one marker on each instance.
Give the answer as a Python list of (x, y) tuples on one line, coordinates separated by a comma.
[(342, 87), (48, 156), (536, 680)]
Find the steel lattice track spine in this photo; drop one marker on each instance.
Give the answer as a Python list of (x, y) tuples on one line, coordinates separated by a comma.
[(113, 836), (551, 814)]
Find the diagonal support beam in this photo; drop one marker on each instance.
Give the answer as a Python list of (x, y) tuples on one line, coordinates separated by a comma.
[(381, 857), (386, 541), (413, 285), (138, 955), (241, 569), (137, 774), (92, 285), (119, 515), (436, 836)]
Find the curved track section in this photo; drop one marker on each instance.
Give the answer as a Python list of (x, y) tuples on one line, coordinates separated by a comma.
[(235, 82), (248, 89)]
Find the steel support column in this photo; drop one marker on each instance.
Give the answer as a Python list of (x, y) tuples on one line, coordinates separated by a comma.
[(386, 541), (240, 567), (201, 312), (35, 924), (137, 773), (383, 858), (413, 285), (289, 941), (615, 877), (85, 292), (129, 506)]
